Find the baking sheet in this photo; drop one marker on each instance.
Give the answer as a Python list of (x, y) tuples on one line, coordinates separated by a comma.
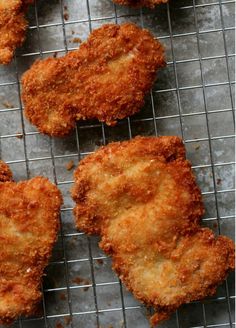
[(192, 98)]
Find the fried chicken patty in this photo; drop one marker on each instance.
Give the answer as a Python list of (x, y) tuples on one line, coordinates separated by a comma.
[(142, 198), (29, 222), (106, 78), (140, 3), (12, 27)]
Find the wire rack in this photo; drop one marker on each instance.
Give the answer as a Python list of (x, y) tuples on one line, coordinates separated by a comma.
[(193, 98)]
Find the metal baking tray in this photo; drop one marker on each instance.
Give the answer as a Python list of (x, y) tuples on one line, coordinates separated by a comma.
[(192, 98)]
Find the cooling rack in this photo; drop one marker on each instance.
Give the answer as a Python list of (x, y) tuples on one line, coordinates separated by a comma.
[(193, 98)]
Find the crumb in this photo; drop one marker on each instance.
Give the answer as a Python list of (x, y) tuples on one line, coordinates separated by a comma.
[(72, 32), (59, 325), (215, 225), (78, 280), (100, 261), (197, 147), (66, 16), (218, 181), (73, 241), (70, 165), (7, 104), (122, 324), (67, 320), (62, 296), (53, 282), (55, 55), (77, 40), (19, 136), (86, 282)]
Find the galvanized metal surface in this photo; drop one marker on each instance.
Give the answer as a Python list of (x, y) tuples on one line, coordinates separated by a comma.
[(192, 97)]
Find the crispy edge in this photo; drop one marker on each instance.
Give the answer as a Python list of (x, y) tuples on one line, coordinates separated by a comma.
[(5, 172)]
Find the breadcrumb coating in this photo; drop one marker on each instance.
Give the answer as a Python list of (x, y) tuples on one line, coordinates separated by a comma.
[(5, 172), (29, 222), (13, 26), (106, 78), (142, 198)]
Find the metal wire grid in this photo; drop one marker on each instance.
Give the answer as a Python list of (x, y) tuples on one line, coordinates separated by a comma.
[(51, 320)]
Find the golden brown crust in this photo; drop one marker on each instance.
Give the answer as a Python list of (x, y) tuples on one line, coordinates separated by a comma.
[(5, 172), (29, 222), (12, 27), (141, 197), (106, 78), (140, 3)]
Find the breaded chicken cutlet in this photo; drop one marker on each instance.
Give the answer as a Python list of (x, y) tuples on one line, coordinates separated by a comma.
[(13, 26), (141, 197), (106, 78), (140, 3), (29, 222)]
